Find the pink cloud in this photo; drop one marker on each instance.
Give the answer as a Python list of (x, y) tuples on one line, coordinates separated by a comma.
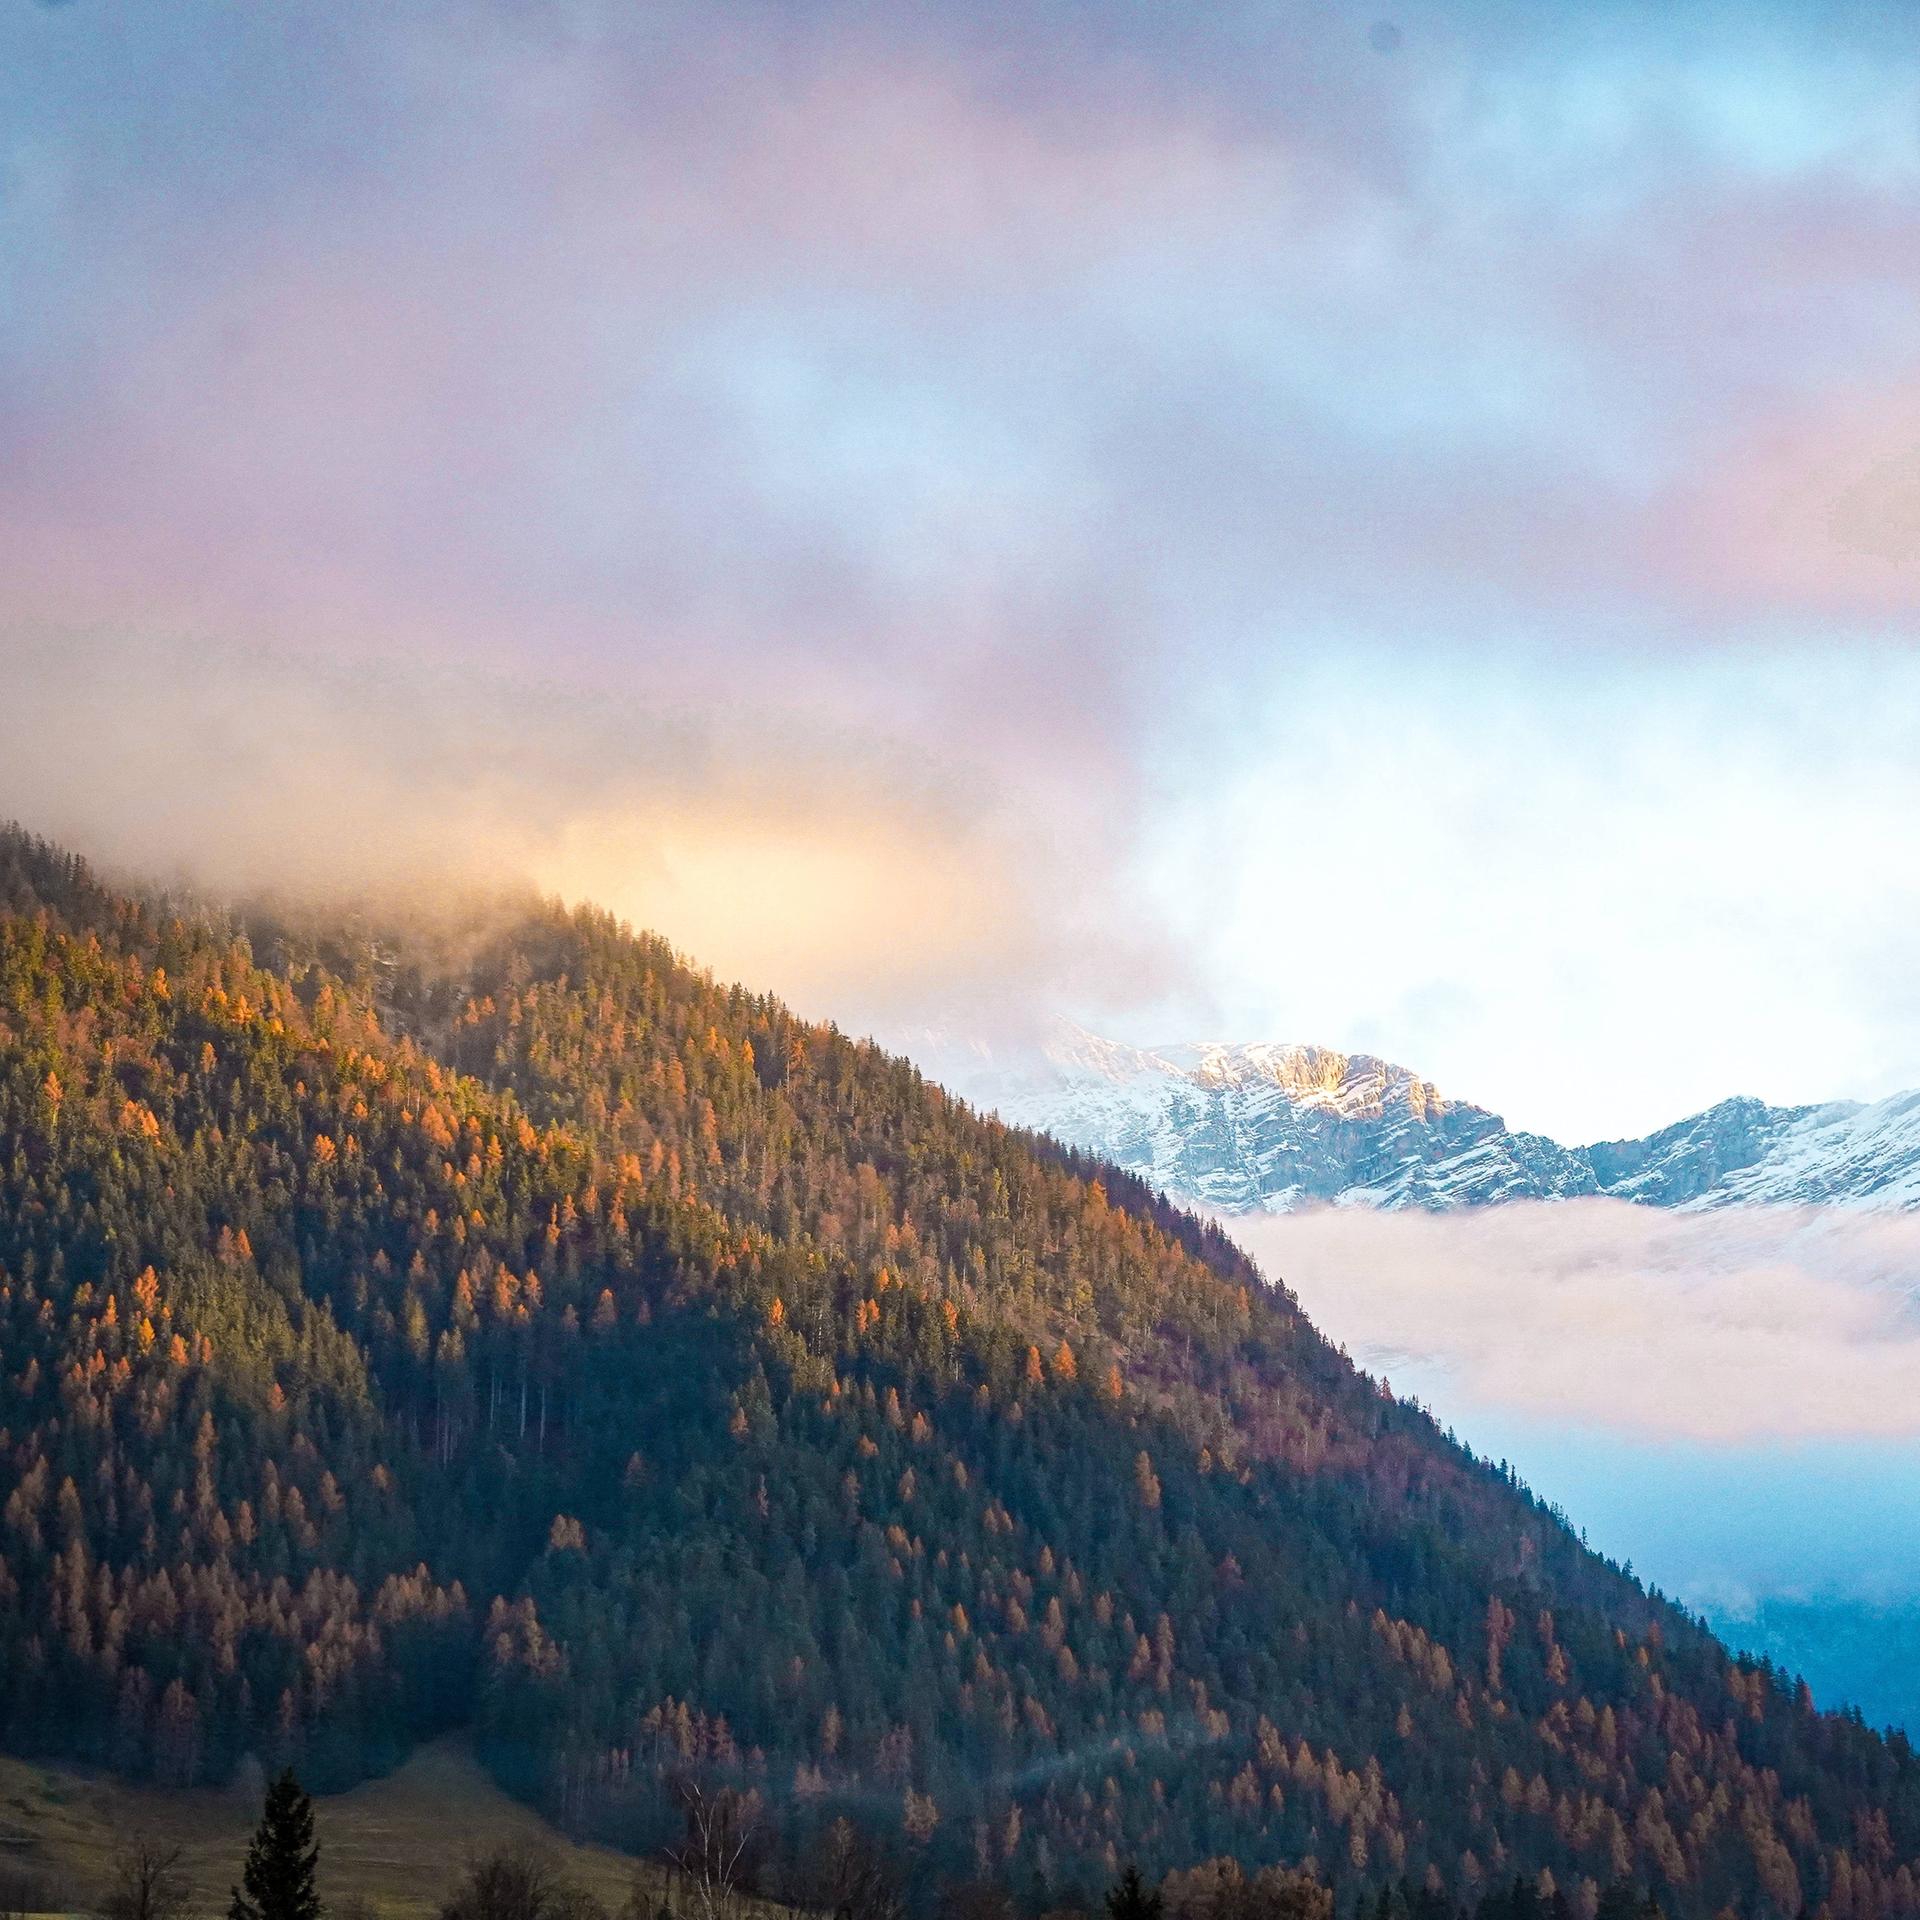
[(1815, 513), (1727, 1327)]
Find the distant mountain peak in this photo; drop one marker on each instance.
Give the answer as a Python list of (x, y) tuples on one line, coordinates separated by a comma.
[(1270, 1126)]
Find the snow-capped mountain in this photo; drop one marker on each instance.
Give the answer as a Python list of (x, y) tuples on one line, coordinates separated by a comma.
[(1271, 1128)]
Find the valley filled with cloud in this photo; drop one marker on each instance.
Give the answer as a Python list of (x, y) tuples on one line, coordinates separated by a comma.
[(1725, 1398)]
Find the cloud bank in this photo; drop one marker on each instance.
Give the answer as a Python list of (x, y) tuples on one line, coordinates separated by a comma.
[(1732, 1328), (987, 451), (774, 852)]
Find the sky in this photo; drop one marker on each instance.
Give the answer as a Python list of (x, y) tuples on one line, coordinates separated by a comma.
[(1389, 526)]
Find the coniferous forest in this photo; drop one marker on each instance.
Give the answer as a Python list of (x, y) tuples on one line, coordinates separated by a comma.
[(485, 1319)]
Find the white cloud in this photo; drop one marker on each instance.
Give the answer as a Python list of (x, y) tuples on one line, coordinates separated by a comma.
[(1595, 898), (1731, 1328), (1009, 416)]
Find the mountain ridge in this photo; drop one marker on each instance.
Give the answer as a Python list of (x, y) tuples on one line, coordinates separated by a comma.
[(1252, 1127)]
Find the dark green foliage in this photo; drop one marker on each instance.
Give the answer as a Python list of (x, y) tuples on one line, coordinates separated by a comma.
[(1130, 1898), (278, 1880), (497, 1321)]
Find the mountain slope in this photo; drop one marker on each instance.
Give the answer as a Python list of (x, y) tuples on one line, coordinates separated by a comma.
[(497, 1322), (1742, 1153), (1270, 1128)]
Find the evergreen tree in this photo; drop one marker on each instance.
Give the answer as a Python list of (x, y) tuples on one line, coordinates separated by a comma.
[(278, 1879), (1130, 1898)]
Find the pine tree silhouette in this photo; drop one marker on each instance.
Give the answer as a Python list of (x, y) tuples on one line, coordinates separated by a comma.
[(278, 1878), (1130, 1898)]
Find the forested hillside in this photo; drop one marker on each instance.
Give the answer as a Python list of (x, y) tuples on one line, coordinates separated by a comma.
[(496, 1321)]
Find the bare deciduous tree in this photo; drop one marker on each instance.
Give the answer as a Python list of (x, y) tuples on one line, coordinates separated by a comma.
[(722, 1826), (518, 1884), (148, 1883)]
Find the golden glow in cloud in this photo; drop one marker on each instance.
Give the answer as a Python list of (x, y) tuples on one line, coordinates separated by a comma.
[(855, 883), (830, 910)]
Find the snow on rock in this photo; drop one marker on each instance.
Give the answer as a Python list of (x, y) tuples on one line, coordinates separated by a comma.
[(1270, 1128)]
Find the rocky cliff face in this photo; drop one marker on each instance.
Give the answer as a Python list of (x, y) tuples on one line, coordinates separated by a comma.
[(1698, 1161), (1276, 1127), (1271, 1128)]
